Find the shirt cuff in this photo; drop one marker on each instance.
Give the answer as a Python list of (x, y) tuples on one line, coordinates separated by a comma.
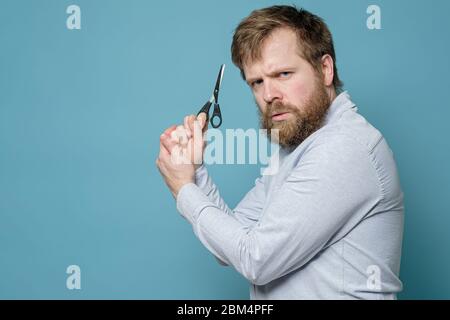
[(200, 174), (190, 201), (202, 181), (199, 169)]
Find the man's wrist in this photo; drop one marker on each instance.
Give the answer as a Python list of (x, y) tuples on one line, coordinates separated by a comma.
[(177, 188)]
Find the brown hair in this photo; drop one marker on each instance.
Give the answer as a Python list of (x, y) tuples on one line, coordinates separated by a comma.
[(312, 33)]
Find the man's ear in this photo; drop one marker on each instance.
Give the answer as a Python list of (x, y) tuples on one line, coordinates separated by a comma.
[(327, 64)]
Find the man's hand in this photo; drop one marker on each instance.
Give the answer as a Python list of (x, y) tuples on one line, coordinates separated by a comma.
[(181, 152), (191, 138)]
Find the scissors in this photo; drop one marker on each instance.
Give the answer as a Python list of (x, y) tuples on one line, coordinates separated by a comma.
[(216, 119)]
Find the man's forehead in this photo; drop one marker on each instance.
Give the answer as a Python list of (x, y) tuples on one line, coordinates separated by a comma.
[(280, 38), (279, 50)]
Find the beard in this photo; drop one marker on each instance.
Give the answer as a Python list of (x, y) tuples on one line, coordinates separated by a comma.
[(303, 121)]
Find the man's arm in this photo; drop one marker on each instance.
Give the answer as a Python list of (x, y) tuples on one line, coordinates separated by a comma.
[(248, 209), (333, 185), (186, 143)]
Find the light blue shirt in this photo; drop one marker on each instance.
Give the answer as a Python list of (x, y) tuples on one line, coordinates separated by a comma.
[(327, 225)]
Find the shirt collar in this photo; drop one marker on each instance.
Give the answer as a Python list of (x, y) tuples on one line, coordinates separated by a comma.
[(340, 104)]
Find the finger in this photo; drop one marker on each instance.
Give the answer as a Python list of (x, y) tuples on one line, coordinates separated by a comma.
[(186, 126), (202, 119), (185, 123), (190, 121), (161, 146), (169, 130), (176, 155), (167, 143), (198, 134), (174, 136), (203, 123), (163, 158), (181, 132), (197, 144)]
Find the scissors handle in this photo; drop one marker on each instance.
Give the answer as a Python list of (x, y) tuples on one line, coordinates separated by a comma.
[(216, 119), (205, 109)]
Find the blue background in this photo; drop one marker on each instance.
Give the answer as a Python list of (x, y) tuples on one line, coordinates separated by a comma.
[(81, 112)]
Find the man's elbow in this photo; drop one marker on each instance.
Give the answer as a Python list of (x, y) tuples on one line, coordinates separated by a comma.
[(259, 280), (259, 277)]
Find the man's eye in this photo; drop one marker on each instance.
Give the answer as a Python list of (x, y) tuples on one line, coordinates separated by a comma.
[(257, 82), (285, 74)]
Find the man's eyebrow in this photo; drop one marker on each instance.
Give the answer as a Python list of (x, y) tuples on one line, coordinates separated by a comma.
[(271, 74), (250, 80)]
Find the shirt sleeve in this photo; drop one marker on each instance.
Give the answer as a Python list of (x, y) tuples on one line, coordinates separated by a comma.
[(246, 212), (248, 209), (332, 184)]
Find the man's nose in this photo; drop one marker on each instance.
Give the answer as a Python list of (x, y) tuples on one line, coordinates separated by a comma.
[(271, 92)]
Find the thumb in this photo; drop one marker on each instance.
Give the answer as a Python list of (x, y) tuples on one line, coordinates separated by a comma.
[(202, 121)]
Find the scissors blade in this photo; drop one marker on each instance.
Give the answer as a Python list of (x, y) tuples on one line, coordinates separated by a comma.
[(218, 83)]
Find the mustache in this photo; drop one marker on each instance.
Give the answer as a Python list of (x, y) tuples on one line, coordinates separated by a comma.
[(278, 107)]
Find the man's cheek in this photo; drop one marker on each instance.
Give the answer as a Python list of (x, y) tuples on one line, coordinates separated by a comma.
[(298, 92), (261, 106)]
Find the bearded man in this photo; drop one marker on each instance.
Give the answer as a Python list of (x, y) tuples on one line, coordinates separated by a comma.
[(329, 223)]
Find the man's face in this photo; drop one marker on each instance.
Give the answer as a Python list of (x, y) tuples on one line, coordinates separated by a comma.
[(290, 94)]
